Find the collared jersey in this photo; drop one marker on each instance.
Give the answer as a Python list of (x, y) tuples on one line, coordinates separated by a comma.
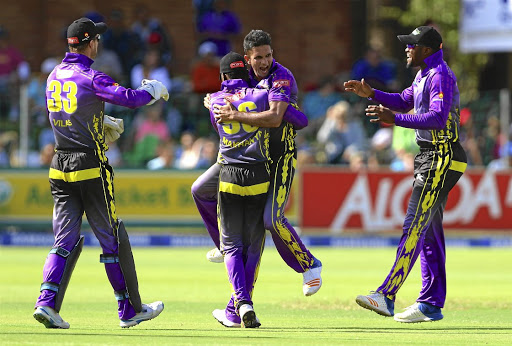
[(280, 83), (434, 95), (241, 143), (281, 86), (76, 96)]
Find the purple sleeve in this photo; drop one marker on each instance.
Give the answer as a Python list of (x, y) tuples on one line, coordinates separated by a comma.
[(441, 95), (108, 90), (295, 117), (403, 102), (281, 87)]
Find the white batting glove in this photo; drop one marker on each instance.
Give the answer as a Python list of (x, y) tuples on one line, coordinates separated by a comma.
[(156, 89)]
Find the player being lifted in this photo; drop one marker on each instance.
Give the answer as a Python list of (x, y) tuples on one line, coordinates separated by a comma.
[(267, 74), (81, 180)]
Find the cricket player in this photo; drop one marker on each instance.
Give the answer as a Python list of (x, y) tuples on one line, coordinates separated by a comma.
[(81, 180), (267, 74), (434, 96), (244, 179)]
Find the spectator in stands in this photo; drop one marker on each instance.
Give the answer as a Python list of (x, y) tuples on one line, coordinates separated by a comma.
[(152, 32), (107, 61), (316, 103), (208, 153), (205, 72), (8, 146), (341, 135), (152, 123), (46, 155), (36, 94), (404, 148), (151, 68), (148, 130), (14, 70), (375, 70), (127, 45), (489, 143), (114, 155), (381, 153), (187, 155), (165, 158), (220, 26), (469, 138)]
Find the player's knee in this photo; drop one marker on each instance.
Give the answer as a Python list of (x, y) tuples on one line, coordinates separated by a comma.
[(196, 189), (273, 223)]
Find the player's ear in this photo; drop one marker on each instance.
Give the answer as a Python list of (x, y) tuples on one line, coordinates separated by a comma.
[(246, 57)]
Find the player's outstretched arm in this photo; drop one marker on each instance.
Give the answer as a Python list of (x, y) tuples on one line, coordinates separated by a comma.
[(360, 88)]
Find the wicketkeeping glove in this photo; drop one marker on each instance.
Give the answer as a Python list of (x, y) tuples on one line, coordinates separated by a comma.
[(156, 89), (113, 127)]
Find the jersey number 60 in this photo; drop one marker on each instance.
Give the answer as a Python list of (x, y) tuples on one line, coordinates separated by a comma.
[(232, 127)]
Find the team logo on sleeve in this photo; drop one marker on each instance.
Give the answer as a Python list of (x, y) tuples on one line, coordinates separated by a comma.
[(281, 83), (441, 95)]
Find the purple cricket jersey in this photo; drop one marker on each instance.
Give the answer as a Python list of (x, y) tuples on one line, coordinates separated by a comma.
[(435, 97), (76, 96), (241, 143), (280, 84)]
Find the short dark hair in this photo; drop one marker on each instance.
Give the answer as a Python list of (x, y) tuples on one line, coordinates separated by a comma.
[(256, 38), (80, 48), (239, 74)]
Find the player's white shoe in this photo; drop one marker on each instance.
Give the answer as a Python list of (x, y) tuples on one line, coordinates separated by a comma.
[(312, 279), (419, 312), (377, 302), (49, 317), (248, 316), (215, 256), (220, 316), (149, 311)]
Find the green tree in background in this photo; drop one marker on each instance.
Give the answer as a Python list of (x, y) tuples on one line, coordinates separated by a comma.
[(445, 15)]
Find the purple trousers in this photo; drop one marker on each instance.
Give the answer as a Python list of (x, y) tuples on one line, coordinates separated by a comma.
[(71, 199), (436, 172), (242, 231)]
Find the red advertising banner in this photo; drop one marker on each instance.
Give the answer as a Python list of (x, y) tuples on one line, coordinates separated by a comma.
[(338, 199)]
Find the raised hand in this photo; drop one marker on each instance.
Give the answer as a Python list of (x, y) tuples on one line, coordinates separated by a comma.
[(360, 88)]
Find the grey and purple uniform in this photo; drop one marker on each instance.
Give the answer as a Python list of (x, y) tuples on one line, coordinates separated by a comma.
[(81, 179), (281, 86), (434, 96), (243, 184)]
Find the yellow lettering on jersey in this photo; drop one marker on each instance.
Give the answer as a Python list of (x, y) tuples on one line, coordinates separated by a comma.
[(62, 123)]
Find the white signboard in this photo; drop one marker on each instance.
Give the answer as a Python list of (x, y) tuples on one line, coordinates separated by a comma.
[(486, 26)]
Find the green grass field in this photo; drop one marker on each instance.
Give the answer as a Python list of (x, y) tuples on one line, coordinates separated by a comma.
[(478, 308)]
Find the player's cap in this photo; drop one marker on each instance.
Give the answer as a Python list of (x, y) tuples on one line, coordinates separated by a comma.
[(84, 30), (424, 36), (232, 62)]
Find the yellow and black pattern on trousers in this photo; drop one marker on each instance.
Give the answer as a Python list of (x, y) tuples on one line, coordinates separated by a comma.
[(283, 152), (436, 172), (89, 169)]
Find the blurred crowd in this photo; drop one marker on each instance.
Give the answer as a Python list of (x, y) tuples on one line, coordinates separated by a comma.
[(178, 134)]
